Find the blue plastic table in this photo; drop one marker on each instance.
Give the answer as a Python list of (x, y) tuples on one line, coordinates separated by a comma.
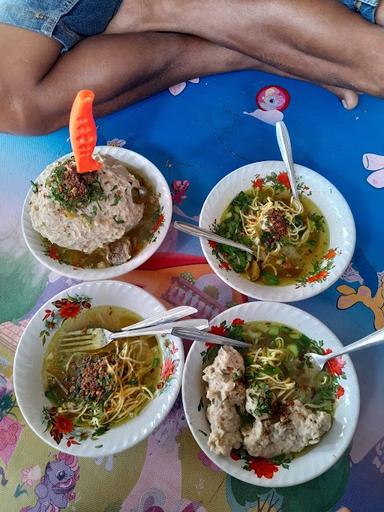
[(195, 138)]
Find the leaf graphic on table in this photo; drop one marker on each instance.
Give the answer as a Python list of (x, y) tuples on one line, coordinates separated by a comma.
[(376, 179), (373, 162), (178, 88)]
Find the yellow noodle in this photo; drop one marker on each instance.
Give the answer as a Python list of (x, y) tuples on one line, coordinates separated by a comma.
[(128, 394)]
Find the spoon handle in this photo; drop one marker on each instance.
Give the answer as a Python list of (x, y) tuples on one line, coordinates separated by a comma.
[(165, 316), (285, 147), (196, 323), (190, 229), (375, 338)]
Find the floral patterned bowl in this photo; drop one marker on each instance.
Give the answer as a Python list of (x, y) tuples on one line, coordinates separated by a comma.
[(59, 431), (47, 255), (342, 233), (278, 472)]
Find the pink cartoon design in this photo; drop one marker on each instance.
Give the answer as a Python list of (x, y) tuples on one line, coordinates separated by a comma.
[(271, 100), (28, 477), (179, 191), (374, 163), (157, 489), (10, 429), (56, 488), (177, 89)]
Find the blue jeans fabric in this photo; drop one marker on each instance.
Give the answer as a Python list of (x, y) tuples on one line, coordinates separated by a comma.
[(367, 8), (67, 21), (70, 21)]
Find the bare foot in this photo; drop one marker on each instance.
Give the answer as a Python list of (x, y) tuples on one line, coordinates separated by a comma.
[(349, 99)]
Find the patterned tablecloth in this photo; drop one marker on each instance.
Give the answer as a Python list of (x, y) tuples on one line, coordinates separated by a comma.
[(196, 133)]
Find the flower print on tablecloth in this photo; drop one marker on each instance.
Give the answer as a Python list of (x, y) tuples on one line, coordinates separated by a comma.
[(179, 191), (7, 398), (29, 476), (57, 486)]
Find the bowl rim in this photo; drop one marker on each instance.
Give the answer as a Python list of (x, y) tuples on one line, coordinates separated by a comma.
[(111, 271), (281, 293), (173, 391), (248, 476)]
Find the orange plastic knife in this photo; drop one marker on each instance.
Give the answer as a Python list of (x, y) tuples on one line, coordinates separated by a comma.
[(82, 131)]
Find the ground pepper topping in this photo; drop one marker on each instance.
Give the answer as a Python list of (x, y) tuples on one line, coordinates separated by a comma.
[(73, 190), (92, 378), (278, 223)]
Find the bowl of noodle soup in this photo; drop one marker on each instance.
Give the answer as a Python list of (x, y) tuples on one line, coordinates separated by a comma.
[(279, 335), (97, 403), (300, 248)]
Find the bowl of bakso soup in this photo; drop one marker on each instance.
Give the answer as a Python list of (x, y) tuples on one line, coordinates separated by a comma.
[(300, 248), (100, 224), (264, 414), (98, 402)]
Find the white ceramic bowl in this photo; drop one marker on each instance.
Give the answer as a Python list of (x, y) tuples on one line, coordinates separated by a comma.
[(323, 455), (325, 195), (28, 368), (146, 169)]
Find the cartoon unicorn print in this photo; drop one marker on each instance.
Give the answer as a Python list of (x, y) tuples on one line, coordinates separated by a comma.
[(56, 488), (271, 100)]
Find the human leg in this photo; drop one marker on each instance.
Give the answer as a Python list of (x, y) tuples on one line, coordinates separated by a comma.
[(318, 40), (38, 85)]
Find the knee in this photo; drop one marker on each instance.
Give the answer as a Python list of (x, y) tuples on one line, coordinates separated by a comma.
[(22, 115)]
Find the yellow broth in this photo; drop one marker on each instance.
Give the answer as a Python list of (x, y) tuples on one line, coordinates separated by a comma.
[(112, 318), (288, 271)]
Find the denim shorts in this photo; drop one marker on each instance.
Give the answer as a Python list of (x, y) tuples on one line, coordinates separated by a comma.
[(367, 8), (67, 21)]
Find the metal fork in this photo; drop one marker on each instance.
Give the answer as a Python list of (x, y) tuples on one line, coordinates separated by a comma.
[(94, 339), (159, 318), (371, 340)]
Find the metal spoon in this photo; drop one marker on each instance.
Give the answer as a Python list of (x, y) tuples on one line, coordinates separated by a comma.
[(285, 147), (371, 340), (190, 229)]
